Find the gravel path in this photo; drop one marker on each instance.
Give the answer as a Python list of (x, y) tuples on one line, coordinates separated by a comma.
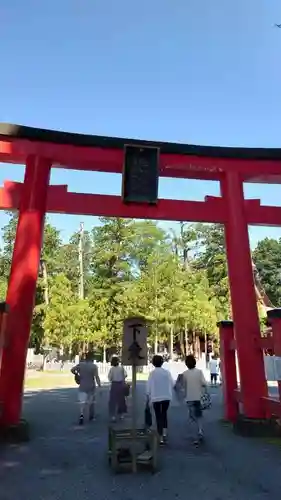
[(66, 462)]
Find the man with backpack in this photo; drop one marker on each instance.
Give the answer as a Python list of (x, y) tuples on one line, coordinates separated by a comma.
[(87, 377)]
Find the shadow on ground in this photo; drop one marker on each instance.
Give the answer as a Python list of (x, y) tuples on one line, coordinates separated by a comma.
[(65, 462)]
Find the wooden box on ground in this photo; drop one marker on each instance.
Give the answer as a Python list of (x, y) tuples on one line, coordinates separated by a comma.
[(131, 450)]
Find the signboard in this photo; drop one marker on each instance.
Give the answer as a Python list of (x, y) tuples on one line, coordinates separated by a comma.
[(134, 345), (140, 174)]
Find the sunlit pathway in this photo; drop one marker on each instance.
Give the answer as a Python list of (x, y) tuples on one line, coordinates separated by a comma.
[(65, 462)]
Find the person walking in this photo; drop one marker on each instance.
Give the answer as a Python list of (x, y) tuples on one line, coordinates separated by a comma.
[(159, 392), (118, 390), (214, 367), (87, 377), (194, 384)]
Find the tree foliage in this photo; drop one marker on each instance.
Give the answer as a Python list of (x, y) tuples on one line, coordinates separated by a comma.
[(177, 279), (267, 258)]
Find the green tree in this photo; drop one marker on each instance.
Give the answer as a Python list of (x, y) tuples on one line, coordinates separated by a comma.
[(9, 235), (59, 320), (184, 241), (3, 288), (69, 261), (50, 248), (267, 258), (147, 239), (112, 251), (177, 281), (211, 256), (113, 245)]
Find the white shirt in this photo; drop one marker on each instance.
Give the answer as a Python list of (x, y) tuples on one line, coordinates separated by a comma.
[(166, 365), (214, 366), (160, 385), (117, 374), (194, 381)]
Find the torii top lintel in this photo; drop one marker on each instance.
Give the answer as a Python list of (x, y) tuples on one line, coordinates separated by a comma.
[(105, 154)]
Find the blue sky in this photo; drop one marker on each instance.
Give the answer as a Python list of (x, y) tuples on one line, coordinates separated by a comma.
[(194, 71)]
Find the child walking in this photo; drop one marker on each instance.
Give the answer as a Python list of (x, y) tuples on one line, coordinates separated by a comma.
[(194, 383)]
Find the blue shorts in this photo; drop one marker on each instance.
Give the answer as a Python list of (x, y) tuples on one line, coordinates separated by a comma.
[(195, 410)]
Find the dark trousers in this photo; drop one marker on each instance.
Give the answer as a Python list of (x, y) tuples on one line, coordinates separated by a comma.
[(160, 410)]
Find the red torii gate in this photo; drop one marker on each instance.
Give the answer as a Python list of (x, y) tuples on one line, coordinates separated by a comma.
[(41, 149)]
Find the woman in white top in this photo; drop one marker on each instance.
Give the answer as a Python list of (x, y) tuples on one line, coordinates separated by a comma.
[(194, 383), (160, 386), (117, 402)]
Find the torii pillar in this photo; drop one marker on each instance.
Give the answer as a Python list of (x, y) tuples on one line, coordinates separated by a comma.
[(22, 287), (228, 370), (243, 298)]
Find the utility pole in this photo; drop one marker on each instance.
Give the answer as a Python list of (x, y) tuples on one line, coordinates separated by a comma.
[(155, 285), (81, 266)]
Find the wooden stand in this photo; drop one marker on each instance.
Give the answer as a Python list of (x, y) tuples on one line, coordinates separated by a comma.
[(130, 449), (134, 417), (133, 446)]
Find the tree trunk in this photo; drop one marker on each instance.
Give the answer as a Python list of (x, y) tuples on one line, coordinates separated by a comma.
[(197, 347), (206, 348), (182, 345), (156, 340), (171, 341), (45, 357), (156, 344), (193, 343), (104, 354), (186, 345)]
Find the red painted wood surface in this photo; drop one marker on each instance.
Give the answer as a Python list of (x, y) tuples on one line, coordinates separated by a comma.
[(22, 286)]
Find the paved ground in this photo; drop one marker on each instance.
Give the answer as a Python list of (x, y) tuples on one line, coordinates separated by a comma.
[(65, 462)]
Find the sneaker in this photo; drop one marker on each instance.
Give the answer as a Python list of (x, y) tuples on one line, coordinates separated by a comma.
[(200, 436), (92, 411)]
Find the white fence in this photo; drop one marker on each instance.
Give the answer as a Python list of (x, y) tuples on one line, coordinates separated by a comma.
[(35, 361), (272, 367)]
